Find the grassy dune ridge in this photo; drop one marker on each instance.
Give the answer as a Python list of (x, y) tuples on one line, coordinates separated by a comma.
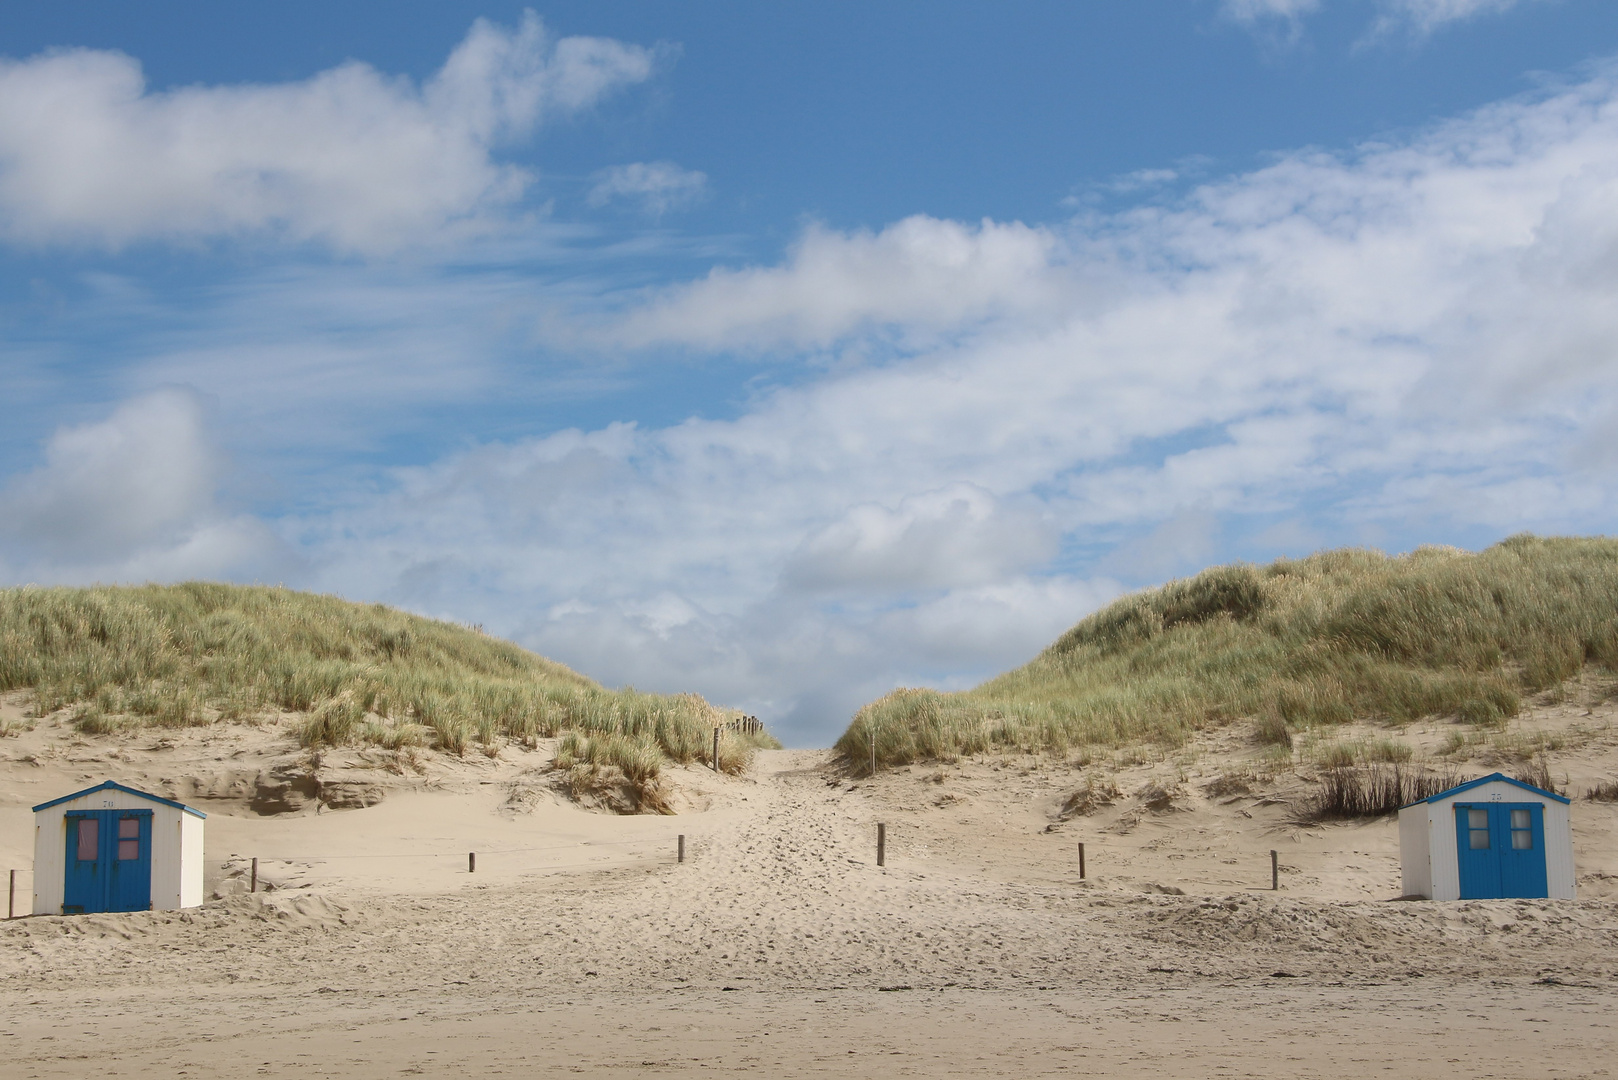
[(1296, 644), (197, 653)]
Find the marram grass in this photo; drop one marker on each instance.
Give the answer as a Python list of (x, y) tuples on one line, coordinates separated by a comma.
[(1293, 645), (199, 653)]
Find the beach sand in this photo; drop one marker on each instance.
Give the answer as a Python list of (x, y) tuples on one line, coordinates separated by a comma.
[(580, 946)]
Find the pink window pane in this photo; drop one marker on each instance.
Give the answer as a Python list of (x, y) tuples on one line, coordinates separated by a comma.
[(128, 838), (87, 839)]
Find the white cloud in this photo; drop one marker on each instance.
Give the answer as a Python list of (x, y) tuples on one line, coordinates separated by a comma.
[(1418, 16), (960, 535), (131, 497), (1425, 16), (995, 626), (920, 272), (1249, 11), (349, 158), (656, 186), (1183, 544)]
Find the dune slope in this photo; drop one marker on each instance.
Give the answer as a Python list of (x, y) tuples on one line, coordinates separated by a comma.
[(1294, 645), (194, 654)]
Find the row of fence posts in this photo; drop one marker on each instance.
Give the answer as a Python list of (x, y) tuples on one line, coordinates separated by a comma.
[(881, 858), (472, 859), (679, 856), (746, 725)]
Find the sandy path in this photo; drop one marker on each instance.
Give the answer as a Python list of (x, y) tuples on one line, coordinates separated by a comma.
[(779, 947)]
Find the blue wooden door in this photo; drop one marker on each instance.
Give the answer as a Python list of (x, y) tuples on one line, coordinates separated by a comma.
[(84, 887), (1501, 850), (1522, 855), (109, 861)]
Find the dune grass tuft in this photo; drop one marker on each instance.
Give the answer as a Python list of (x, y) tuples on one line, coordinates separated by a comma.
[(1374, 791), (1294, 645), (197, 653), (1537, 772), (1271, 730)]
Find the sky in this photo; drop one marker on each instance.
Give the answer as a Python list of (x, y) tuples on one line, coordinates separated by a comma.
[(790, 353)]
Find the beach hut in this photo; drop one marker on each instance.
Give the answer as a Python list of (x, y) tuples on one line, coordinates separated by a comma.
[(1490, 837), (112, 848)]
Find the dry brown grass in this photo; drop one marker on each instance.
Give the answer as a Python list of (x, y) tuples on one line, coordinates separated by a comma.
[(1373, 791), (1095, 793), (1538, 773)]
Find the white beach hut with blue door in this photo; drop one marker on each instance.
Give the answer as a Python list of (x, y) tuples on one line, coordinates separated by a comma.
[(1488, 838), (113, 848)]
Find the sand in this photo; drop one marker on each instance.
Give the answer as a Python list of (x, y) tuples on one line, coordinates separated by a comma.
[(580, 946)]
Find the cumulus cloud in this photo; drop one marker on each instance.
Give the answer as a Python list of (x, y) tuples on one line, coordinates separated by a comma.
[(131, 497), (960, 535), (1181, 545), (350, 158), (655, 186), (920, 273)]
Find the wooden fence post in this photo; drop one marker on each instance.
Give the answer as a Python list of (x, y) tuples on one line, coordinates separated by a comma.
[(881, 844), (682, 847), (253, 887), (1081, 860), (471, 862), (11, 898), (1275, 870), (715, 749)]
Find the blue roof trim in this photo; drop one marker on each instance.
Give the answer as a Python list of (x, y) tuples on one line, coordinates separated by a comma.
[(119, 787), (1490, 779)]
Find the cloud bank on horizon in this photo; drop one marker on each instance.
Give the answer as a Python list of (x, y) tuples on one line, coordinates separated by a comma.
[(984, 428)]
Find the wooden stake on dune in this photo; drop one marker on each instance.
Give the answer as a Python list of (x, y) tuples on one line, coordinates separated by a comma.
[(471, 862), (253, 887), (715, 749), (881, 844), (1081, 861), (682, 847), (11, 898), (1275, 870)]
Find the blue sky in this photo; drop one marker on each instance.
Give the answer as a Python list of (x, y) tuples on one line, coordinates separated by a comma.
[(792, 352)]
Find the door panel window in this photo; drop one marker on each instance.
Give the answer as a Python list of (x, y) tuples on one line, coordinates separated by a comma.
[(87, 839), (128, 839), (1477, 825), (1522, 830)]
